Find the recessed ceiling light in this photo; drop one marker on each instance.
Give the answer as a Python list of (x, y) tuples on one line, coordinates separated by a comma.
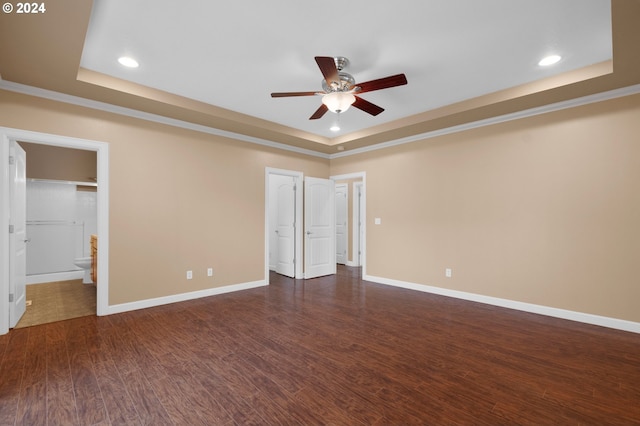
[(128, 62), (334, 128), (549, 60)]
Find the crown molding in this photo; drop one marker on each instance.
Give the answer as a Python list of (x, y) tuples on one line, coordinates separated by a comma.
[(102, 106), (571, 103)]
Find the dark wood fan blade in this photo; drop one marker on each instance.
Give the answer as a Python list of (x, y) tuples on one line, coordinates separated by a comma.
[(328, 68), (382, 83), (287, 94), (367, 106), (319, 112)]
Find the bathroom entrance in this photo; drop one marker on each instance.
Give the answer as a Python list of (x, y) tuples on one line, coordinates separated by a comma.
[(89, 190), (61, 218)]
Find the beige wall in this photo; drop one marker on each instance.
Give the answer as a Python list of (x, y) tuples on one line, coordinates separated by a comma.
[(56, 163), (543, 210), (179, 199)]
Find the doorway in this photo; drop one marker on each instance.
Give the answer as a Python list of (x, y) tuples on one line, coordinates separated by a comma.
[(356, 217), (61, 192), (287, 202), (358, 223), (7, 136), (342, 223)]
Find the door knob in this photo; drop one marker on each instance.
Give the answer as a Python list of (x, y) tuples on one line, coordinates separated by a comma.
[(309, 232)]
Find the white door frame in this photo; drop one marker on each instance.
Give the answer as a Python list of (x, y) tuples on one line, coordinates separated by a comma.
[(298, 178), (363, 176), (102, 154)]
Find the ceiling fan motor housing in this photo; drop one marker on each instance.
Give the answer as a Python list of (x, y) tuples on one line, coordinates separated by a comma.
[(345, 84)]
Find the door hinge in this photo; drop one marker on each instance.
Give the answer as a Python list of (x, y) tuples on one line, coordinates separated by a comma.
[(11, 229), (12, 160), (10, 297)]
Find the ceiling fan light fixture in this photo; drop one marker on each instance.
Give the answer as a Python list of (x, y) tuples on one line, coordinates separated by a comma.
[(338, 101)]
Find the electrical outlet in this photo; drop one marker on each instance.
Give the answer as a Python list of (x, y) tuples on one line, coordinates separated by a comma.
[(447, 272), (210, 272), (189, 275)]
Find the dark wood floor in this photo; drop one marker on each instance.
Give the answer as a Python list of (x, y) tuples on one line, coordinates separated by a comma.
[(334, 350)]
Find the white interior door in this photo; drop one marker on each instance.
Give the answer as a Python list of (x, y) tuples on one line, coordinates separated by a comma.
[(18, 234), (320, 232), (285, 227), (342, 227)]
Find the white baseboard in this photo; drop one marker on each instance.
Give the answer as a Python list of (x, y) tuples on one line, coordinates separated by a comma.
[(618, 324), (158, 301), (351, 263), (56, 276)]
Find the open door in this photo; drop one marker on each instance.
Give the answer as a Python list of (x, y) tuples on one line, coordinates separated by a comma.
[(320, 230), (17, 233), (285, 227)]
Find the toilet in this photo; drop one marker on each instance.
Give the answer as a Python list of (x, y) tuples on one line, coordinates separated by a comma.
[(85, 264)]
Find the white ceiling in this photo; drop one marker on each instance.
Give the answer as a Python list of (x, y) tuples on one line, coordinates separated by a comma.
[(233, 54)]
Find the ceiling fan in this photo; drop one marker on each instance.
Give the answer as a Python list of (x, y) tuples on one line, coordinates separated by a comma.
[(340, 90)]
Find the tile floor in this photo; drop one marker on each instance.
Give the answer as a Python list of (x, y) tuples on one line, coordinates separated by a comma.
[(57, 301)]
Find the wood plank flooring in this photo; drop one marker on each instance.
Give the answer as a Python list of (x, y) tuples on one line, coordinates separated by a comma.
[(333, 350)]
